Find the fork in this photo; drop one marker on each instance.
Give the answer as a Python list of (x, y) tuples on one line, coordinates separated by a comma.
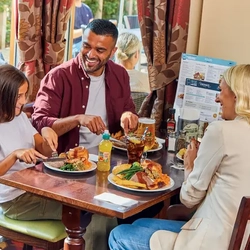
[(177, 164), (54, 154)]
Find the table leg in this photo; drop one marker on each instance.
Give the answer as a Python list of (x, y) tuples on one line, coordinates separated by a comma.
[(71, 218)]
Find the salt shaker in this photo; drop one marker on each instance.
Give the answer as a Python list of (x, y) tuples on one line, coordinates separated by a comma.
[(171, 141)]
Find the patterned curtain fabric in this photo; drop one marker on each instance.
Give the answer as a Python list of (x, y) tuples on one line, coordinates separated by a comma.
[(41, 26), (164, 28)]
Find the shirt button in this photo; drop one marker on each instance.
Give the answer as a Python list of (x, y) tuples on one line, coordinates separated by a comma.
[(76, 144), (82, 78), (87, 87), (83, 106)]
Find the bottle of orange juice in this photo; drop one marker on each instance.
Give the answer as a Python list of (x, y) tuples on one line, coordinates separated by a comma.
[(104, 154)]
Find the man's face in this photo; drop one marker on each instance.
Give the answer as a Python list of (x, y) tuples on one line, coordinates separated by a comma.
[(96, 51)]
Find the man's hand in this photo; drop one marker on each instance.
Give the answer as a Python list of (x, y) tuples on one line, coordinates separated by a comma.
[(94, 123), (129, 121), (50, 137)]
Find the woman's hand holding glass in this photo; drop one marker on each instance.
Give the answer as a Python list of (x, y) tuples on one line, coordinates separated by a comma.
[(189, 157)]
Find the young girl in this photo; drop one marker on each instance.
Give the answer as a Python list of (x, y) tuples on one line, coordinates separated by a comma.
[(19, 140)]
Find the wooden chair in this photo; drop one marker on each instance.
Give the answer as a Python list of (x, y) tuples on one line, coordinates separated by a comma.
[(46, 234), (240, 224), (180, 212), (138, 98), (28, 109)]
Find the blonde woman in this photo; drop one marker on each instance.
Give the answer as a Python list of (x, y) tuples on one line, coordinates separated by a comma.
[(128, 54), (216, 178)]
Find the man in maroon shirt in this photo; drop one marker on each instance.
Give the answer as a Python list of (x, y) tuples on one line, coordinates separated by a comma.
[(71, 101), (82, 97)]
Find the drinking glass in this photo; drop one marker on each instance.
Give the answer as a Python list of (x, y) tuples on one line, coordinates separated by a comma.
[(188, 121), (149, 123), (135, 147)]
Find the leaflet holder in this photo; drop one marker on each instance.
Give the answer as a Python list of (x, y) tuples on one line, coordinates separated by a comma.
[(188, 121)]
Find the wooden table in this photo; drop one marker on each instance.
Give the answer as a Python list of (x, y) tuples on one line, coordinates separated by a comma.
[(76, 192)]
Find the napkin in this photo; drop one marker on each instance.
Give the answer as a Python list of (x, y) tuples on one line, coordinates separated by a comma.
[(93, 157), (116, 199)]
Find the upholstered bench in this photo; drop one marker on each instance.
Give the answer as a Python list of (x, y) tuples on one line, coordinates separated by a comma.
[(46, 234)]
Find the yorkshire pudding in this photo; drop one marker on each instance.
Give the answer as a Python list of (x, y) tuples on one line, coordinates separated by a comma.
[(78, 153)]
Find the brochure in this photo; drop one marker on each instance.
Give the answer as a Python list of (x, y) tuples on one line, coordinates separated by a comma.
[(200, 93)]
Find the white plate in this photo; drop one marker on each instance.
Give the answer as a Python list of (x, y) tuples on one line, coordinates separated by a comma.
[(179, 157), (160, 140), (151, 150), (57, 164), (110, 179)]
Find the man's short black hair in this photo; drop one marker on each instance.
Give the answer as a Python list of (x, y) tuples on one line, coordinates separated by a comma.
[(103, 27)]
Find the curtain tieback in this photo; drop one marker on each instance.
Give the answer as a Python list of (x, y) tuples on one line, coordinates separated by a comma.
[(54, 52), (30, 50)]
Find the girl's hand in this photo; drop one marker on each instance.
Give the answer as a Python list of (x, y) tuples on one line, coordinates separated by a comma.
[(50, 137), (28, 155)]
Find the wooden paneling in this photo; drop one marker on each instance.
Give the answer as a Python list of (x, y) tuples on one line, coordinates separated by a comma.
[(225, 29)]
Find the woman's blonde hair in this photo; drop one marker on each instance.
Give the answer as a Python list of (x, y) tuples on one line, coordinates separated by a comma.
[(238, 79), (127, 45)]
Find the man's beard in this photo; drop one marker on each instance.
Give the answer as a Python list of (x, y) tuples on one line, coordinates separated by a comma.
[(99, 66)]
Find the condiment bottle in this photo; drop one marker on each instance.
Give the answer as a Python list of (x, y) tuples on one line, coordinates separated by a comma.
[(171, 123), (104, 154)]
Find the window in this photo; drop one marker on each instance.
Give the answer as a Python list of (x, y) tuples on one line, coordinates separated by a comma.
[(8, 46), (6, 31)]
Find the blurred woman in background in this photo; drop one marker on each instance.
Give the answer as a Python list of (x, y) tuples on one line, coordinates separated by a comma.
[(128, 55)]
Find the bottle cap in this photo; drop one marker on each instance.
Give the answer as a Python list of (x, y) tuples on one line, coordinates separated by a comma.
[(172, 134), (106, 135), (171, 111)]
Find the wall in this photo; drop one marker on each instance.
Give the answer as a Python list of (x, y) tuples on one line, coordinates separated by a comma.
[(224, 29)]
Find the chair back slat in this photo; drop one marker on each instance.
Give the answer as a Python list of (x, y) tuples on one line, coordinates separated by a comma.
[(138, 98)]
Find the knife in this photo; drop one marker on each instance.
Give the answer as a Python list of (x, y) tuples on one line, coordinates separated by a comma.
[(50, 159), (117, 141)]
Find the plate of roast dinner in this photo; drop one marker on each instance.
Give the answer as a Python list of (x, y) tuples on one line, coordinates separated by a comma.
[(122, 146), (75, 161), (141, 177)]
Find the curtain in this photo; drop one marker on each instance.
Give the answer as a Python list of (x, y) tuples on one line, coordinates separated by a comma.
[(164, 28), (41, 26)]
